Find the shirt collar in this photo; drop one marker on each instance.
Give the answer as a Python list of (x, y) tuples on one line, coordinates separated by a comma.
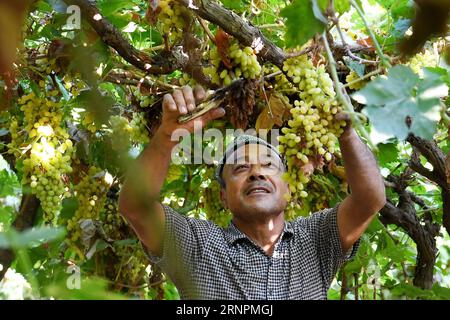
[(232, 233)]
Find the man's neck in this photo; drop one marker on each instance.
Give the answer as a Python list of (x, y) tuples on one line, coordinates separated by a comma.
[(265, 233)]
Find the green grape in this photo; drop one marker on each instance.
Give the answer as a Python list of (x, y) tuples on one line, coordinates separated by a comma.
[(244, 64), (124, 133), (91, 194), (144, 101), (47, 150), (212, 204), (170, 20), (311, 132), (352, 76), (186, 80), (421, 60)]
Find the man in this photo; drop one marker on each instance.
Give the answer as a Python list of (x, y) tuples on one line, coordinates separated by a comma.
[(260, 255)]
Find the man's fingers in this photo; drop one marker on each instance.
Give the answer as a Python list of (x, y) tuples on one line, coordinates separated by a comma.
[(199, 93), (169, 104), (189, 98), (212, 115), (179, 100), (342, 116)]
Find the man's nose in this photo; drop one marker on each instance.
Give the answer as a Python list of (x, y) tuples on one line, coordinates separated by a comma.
[(255, 173)]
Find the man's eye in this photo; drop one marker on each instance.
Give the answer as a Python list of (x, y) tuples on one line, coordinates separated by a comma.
[(241, 166)]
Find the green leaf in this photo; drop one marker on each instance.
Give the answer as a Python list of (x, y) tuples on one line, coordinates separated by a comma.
[(301, 24), (30, 238), (233, 4), (355, 66), (9, 185), (108, 7), (388, 152), (341, 6), (402, 103), (69, 206)]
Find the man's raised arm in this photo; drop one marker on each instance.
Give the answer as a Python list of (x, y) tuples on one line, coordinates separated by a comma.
[(139, 196), (367, 192)]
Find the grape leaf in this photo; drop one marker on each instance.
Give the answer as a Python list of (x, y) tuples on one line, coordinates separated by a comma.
[(387, 153), (341, 6), (301, 24), (8, 183), (403, 103)]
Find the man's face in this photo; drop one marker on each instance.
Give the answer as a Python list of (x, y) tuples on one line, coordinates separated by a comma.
[(254, 185)]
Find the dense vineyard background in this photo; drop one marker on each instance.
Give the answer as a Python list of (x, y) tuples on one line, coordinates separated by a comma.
[(81, 90)]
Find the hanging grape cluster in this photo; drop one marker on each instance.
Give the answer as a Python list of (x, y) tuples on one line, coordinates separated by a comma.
[(244, 64), (124, 133), (91, 194), (212, 204), (42, 140), (352, 83), (312, 133), (423, 59), (144, 100), (170, 19)]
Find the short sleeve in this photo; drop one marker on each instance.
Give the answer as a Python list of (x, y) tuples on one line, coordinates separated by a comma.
[(183, 241), (322, 228)]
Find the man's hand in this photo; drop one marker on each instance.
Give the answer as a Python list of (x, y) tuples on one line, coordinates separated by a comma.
[(180, 102)]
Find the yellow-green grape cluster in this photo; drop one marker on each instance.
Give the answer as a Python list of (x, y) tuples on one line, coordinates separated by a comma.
[(421, 60), (170, 18), (212, 204), (88, 121), (44, 65), (312, 131), (186, 80), (43, 141), (352, 83), (113, 221), (125, 132), (144, 101), (139, 132), (131, 266), (244, 64), (91, 195), (73, 84)]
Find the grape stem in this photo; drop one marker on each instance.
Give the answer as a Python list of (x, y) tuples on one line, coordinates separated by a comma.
[(380, 53), (345, 101), (366, 76)]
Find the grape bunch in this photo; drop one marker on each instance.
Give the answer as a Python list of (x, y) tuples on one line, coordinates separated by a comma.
[(244, 64), (113, 221), (212, 204), (124, 133), (41, 138), (131, 266), (353, 76), (423, 59), (186, 80), (144, 101), (91, 194), (312, 132), (171, 21)]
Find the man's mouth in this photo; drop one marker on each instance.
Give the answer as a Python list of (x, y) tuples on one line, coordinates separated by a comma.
[(257, 190)]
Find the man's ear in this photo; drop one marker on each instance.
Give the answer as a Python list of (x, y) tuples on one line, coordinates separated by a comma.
[(223, 197)]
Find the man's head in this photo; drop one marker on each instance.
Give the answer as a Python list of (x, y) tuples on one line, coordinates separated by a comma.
[(250, 174)]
